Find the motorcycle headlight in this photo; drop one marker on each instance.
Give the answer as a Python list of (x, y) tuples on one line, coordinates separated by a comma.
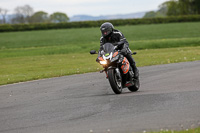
[(103, 62), (115, 58)]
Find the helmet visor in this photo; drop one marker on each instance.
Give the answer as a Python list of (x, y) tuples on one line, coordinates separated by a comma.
[(105, 32)]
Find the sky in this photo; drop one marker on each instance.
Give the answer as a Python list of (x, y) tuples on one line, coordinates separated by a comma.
[(84, 7)]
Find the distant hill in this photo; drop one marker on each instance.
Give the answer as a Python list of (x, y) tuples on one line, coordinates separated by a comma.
[(8, 17), (93, 18), (107, 17)]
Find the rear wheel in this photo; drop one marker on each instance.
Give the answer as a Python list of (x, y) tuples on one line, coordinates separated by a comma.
[(115, 81), (136, 86)]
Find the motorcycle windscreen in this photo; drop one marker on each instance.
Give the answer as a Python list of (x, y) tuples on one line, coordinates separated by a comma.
[(108, 47)]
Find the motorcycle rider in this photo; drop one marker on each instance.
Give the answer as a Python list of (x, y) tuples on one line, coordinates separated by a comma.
[(111, 35)]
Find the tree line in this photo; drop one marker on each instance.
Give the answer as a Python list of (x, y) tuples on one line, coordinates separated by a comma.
[(26, 15), (176, 8)]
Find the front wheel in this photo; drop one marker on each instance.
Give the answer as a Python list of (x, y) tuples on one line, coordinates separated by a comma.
[(115, 81), (136, 86)]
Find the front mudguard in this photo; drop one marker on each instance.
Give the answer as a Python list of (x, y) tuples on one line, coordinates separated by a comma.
[(116, 70)]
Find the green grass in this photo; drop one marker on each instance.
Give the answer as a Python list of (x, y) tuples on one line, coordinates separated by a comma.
[(16, 69), (42, 54), (78, 48), (89, 37), (196, 130), (51, 42)]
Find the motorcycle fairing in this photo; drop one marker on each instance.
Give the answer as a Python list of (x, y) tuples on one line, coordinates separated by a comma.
[(125, 66), (100, 58), (108, 57)]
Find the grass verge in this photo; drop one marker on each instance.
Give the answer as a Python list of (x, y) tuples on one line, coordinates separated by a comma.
[(18, 69), (196, 130), (33, 55), (79, 48)]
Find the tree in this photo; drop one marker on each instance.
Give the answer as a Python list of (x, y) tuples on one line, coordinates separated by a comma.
[(3, 13), (150, 14), (58, 17), (23, 14), (40, 17), (195, 4), (182, 7), (28, 12), (173, 8), (163, 9)]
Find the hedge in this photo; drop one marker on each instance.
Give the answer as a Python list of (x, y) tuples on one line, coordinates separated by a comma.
[(86, 24)]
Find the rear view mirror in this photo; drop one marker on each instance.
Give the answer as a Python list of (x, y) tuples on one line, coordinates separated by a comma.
[(93, 52), (134, 53)]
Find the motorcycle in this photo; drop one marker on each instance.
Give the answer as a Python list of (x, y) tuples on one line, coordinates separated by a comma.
[(117, 68)]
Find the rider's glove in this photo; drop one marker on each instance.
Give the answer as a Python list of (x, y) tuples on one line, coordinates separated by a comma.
[(116, 47)]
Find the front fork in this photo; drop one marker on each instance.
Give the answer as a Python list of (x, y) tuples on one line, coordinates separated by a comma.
[(118, 74), (116, 70)]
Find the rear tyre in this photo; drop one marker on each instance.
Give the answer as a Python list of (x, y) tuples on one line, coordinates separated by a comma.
[(135, 87), (115, 81)]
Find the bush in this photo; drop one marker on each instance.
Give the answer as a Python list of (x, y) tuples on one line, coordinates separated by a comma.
[(86, 24)]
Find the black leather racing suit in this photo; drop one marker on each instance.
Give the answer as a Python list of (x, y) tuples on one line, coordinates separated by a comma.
[(118, 39)]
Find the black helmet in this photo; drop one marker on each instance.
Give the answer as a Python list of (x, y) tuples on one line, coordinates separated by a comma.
[(106, 29)]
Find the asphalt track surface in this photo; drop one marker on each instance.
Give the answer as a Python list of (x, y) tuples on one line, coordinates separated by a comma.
[(169, 98)]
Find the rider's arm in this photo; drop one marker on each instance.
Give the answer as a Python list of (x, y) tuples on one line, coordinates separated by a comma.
[(122, 40)]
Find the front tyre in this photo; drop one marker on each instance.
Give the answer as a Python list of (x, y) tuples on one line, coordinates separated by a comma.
[(115, 81), (136, 86)]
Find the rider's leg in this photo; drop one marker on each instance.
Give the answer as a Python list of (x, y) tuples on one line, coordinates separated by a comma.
[(133, 65)]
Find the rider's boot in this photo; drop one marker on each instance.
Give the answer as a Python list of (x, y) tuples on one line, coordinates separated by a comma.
[(136, 71), (133, 65)]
